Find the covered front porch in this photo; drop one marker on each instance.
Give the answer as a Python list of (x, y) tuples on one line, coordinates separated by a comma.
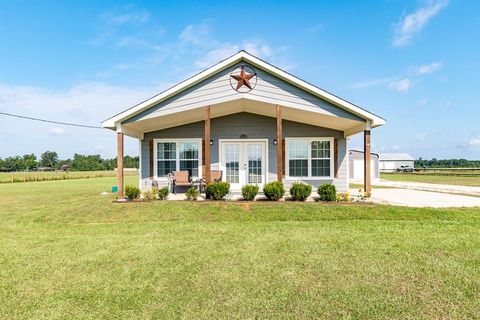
[(246, 146)]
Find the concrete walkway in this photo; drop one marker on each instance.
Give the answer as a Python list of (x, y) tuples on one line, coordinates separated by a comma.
[(416, 198), (474, 191)]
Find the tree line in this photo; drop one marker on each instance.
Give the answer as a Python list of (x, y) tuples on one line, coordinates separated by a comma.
[(446, 163), (49, 160)]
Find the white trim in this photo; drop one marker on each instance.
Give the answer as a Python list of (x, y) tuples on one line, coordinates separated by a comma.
[(246, 57), (347, 158), (140, 164), (177, 155), (223, 168), (310, 177)]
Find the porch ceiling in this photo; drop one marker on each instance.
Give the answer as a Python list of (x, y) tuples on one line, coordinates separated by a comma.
[(173, 118)]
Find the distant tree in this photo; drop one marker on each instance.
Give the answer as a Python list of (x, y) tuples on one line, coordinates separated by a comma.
[(130, 162), (87, 163), (49, 159), (14, 163), (447, 163), (29, 161)]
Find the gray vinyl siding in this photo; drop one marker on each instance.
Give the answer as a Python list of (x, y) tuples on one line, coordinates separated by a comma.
[(217, 89), (358, 155), (254, 127)]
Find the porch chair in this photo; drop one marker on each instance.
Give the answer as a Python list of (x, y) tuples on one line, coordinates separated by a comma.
[(215, 176), (180, 179)]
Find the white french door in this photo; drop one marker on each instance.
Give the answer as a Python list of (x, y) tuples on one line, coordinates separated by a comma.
[(243, 162)]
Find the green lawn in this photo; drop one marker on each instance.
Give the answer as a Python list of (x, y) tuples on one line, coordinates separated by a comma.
[(473, 181), (66, 252)]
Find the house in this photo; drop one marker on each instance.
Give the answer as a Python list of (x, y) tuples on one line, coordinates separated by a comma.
[(389, 162), (356, 165), (251, 120)]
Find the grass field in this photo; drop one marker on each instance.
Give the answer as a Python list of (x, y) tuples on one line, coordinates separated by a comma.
[(66, 252), (14, 177), (473, 181)]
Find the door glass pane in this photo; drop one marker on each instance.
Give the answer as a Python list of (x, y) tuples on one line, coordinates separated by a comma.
[(254, 153), (232, 163)]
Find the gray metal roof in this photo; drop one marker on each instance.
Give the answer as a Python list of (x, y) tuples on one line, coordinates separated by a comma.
[(395, 156)]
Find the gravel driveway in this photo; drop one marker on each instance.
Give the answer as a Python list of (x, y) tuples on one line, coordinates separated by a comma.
[(417, 198), (474, 191)]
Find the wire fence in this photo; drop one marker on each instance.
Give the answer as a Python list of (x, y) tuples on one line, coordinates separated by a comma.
[(439, 171), (35, 176)]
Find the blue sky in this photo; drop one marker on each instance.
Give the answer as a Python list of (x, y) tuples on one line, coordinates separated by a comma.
[(415, 63)]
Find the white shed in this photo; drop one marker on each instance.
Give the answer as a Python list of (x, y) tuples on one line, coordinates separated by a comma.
[(356, 167), (389, 162)]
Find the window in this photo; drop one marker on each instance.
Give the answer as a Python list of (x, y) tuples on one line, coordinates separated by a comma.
[(298, 158), (189, 158), (178, 155), (320, 158), (309, 157), (166, 155)]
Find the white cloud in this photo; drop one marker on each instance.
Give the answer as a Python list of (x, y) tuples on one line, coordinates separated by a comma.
[(198, 35), (400, 85), (421, 136), (222, 51), (426, 68), (316, 28), (422, 102), (411, 24), (139, 16), (474, 139), (372, 83), (57, 131)]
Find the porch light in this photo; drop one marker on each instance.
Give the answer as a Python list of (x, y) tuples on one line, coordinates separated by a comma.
[(275, 141), (211, 142)]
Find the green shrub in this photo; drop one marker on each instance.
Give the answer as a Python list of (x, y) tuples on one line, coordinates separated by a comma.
[(132, 192), (343, 197), (217, 190), (163, 193), (148, 195), (192, 193), (300, 191), (274, 190), (249, 191), (327, 192)]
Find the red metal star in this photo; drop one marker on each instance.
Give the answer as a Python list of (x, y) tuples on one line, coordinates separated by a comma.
[(243, 78)]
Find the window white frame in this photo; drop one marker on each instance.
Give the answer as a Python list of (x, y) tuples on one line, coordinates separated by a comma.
[(177, 155), (309, 143)]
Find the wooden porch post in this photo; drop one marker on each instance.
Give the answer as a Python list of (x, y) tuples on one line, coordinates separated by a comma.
[(279, 144), (120, 195), (207, 144), (366, 162)]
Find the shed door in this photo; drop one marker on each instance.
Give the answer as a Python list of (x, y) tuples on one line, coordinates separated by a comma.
[(358, 169)]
